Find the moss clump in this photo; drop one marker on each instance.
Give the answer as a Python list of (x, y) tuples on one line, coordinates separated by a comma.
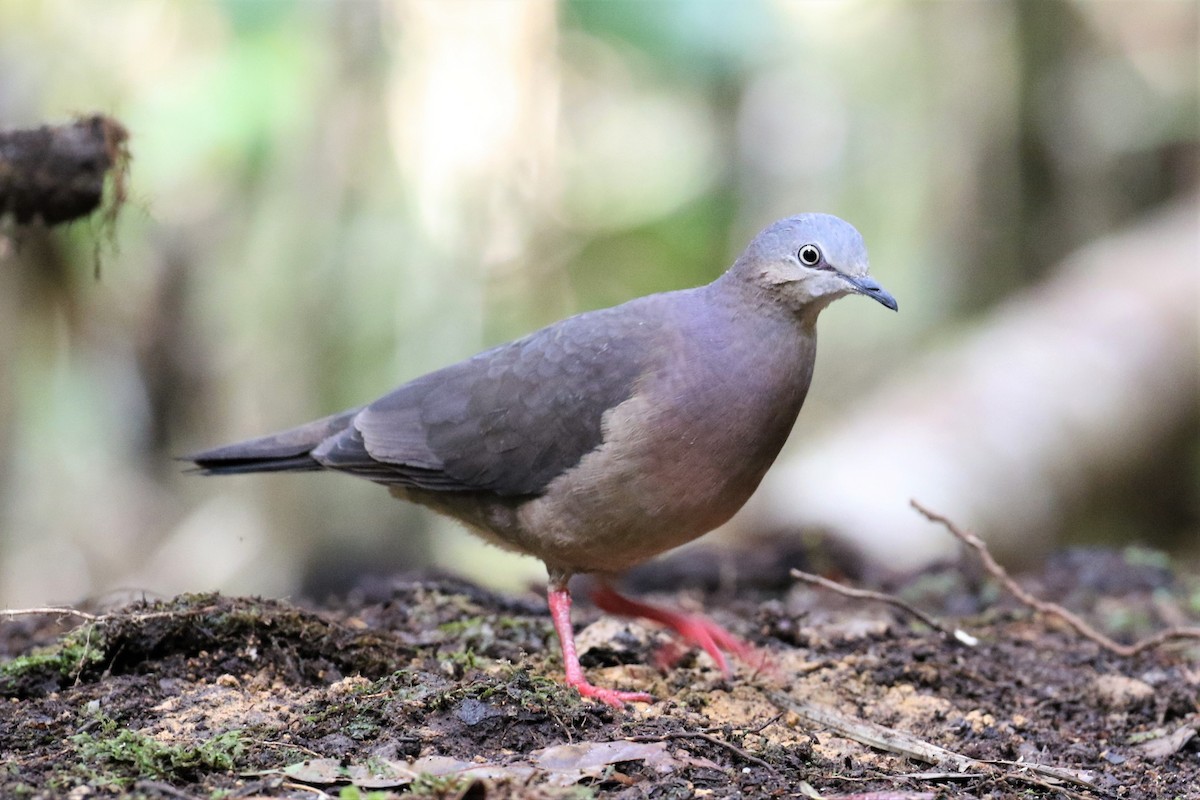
[(56, 664), (120, 756)]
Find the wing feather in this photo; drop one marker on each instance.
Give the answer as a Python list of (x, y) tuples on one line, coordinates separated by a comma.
[(507, 421)]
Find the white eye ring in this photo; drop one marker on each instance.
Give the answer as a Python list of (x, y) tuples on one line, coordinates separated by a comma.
[(809, 255)]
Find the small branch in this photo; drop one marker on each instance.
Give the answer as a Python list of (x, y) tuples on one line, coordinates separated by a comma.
[(872, 734), (739, 752), (63, 611), (51, 611), (891, 600), (764, 726), (1046, 607), (909, 746), (84, 652), (300, 786), (290, 746)]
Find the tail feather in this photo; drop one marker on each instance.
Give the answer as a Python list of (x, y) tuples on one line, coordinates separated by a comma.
[(286, 451)]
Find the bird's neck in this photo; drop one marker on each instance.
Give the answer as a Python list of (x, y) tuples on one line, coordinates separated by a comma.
[(747, 298)]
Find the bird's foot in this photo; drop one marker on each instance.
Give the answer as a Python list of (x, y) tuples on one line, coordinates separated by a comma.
[(694, 629), (559, 600), (613, 697)]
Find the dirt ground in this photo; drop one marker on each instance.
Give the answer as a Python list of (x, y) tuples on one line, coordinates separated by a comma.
[(432, 687)]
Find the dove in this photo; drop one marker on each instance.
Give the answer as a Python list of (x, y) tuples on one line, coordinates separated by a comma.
[(609, 437)]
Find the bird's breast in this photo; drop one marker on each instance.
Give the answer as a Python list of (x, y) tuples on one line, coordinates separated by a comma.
[(678, 458)]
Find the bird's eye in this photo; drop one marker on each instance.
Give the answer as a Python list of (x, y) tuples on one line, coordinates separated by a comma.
[(809, 255)]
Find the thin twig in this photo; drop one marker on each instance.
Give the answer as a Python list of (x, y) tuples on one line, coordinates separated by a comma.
[(739, 752), (300, 786), (1003, 777), (872, 734), (765, 725), (132, 616), (51, 611), (906, 744), (1045, 606), (290, 746), (880, 597), (85, 652), (1060, 774)]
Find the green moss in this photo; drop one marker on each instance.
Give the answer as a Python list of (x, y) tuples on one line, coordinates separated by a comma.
[(1192, 596), (439, 786), (119, 755), (494, 635), (66, 659), (459, 662), (1136, 556), (364, 726), (355, 793)]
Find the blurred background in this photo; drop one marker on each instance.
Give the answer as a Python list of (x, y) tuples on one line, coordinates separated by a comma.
[(327, 199)]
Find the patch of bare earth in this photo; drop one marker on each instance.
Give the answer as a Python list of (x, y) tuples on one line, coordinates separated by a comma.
[(436, 688)]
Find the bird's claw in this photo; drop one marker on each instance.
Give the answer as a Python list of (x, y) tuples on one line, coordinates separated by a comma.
[(693, 629), (613, 697), (710, 637)]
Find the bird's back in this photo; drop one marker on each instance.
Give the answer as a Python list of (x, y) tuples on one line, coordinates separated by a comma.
[(506, 421)]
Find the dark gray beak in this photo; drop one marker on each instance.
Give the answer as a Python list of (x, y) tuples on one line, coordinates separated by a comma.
[(871, 288)]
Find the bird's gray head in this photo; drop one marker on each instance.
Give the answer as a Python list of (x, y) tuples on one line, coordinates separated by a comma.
[(808, 261)]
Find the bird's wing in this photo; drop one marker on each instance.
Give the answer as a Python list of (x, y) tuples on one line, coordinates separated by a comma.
[(509, 420)]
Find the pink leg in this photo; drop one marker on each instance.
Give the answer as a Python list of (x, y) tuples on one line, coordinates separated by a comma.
[(559, 599), (692, 628)]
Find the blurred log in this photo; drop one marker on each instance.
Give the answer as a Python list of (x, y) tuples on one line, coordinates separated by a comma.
[(1068, 387), (56, 173)]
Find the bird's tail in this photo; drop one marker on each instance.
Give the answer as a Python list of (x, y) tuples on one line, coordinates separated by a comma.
[(286, 451)]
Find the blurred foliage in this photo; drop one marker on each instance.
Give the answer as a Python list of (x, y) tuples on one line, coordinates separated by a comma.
[(329, 198)]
